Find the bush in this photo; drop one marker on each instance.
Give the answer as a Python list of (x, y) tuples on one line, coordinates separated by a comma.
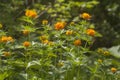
[(53, 44)]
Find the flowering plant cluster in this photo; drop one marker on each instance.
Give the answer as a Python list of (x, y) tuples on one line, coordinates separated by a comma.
[(58, 50)]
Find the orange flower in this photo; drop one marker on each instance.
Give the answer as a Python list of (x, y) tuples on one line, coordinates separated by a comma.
[(86, 16), (26, 32), (4, 39), (45, 40), (26, 44), (69, 32), (6, 54), (113, 69), (59, 25), (45, 22), (10, 39), (77, 42), (90, 32), (31, 13)]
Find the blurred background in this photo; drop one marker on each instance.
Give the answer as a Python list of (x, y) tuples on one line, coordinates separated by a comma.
[(105, 15)]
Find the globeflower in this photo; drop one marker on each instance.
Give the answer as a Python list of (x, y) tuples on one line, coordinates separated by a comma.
[(106, 53), (100, 50), (113, 69), (43, 37), (45, 41), (86, 16), (45, 22), (90, 32), (72, 23), (9, 38), (26, 44), (31, 13), (59, 25), (6, 54), (99, 60), (6, 39), (77, 42), (69, 32), (26, 32)]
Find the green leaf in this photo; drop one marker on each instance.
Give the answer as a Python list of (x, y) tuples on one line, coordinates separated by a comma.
[(31, 29), (60, 1), (2, 33), (33, 64), (98, 34), (3, 75), (115, 51), (26, 19)]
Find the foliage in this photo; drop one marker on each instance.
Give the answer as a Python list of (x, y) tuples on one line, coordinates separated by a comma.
[(107, 18), (53, 42)]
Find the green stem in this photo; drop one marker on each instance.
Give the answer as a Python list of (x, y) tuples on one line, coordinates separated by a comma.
[(78, 71), (85, 45), (94, 72), (55, 72)]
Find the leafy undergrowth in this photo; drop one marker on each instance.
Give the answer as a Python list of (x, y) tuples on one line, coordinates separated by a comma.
[(54, 51)]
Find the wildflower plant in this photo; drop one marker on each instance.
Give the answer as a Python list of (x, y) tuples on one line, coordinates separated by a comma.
[(54, 50)]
